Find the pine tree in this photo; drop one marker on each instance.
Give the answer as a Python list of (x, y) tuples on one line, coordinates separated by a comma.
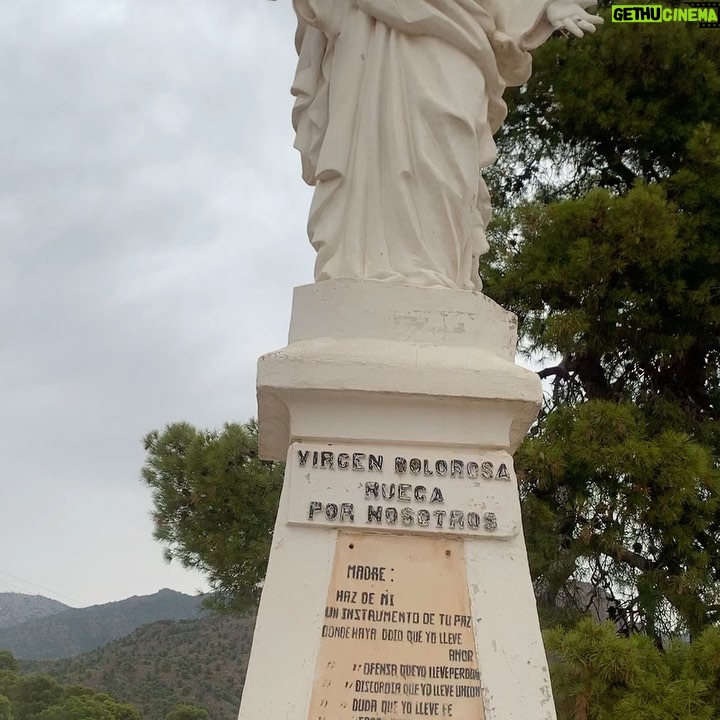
[(214, 505), (607, 246)]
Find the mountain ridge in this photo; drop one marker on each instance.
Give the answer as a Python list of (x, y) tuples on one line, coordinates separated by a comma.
[(201, 662), (17, 608), (71, 631)]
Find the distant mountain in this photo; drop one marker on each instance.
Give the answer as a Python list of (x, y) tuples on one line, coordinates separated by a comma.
[(77, 630), (16, 608), (199, 662)]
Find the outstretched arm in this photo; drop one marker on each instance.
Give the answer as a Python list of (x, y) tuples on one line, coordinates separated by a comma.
[(571, 16)]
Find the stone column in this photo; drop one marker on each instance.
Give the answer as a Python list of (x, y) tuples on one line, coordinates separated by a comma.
[(398, 586)]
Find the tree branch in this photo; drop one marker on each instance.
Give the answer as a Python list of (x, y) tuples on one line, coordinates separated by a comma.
[(632, 558), (555, 370)]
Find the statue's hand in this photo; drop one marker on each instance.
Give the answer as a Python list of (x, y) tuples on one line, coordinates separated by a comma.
[(571, 16)]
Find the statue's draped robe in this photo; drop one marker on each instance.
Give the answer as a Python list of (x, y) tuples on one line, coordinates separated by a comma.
[(397, 101)]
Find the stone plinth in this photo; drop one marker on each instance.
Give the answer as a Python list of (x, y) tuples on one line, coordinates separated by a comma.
[(397, 409)]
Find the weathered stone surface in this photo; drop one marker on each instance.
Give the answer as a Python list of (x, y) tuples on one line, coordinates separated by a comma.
[(403, 439), (450, 379)]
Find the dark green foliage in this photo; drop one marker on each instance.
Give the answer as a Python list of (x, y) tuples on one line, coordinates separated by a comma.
[(187, 712), (165, 664), (8, 681), (600, 676), (215, 505), (627, 291), (40, 697), (33, 694), (637, 506), (89, 707), (617, 106), (607, 246), (7, 661)]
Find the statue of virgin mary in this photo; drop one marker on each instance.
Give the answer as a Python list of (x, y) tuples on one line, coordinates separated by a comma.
[(396, 105)]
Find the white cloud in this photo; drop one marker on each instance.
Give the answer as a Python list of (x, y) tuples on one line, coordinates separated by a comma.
[(152, 226)]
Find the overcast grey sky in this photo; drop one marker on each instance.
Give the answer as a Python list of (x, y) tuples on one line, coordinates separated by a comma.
[(152, 227)]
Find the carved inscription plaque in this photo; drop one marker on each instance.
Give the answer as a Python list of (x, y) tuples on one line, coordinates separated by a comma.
[(397, 637), (399, 489)]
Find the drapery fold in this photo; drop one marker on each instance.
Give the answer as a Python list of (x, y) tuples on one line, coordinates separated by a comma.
[(396, 104)]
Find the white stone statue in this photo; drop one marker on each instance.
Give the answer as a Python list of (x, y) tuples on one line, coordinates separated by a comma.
[(397, 103)]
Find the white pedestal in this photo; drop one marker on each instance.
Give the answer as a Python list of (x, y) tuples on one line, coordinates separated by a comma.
[(397, 409)]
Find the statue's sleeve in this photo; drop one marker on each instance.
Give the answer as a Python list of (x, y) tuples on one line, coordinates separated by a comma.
[(525, 21)]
